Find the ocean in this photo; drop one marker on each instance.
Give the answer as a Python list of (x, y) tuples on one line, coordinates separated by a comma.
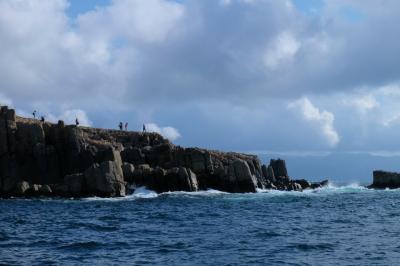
[(337, 225)]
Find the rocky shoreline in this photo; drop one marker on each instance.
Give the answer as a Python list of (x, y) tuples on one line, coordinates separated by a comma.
[(44, 159)]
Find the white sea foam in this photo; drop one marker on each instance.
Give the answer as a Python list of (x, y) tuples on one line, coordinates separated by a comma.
[(331, 188), (144, 193)]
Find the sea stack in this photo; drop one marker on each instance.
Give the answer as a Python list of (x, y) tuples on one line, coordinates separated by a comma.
[(45, 159), (384, 179)]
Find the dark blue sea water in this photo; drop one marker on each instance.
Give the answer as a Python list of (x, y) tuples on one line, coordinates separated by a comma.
[(332, 226)]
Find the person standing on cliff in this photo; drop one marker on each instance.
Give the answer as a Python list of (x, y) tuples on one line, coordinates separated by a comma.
[(42, 119), (126, 126), (144, 128), (120, 126), (34, 114), (77, 122)]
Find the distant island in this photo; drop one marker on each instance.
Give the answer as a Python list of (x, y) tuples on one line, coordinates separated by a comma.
[(39, 158)]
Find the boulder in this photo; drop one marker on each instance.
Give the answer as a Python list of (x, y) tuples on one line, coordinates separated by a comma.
[(109, 154), (295, 187), (187, 180), (128, 170), (22, 188), (45, 190), (105, 180), (303, 183), (245, 181)]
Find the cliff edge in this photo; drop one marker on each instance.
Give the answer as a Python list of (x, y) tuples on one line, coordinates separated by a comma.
[(40, 158)]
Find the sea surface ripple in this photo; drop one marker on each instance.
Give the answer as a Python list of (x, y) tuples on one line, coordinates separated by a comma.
[(347, 225)]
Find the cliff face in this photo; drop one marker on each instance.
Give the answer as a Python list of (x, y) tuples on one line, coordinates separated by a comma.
[(40, 158)]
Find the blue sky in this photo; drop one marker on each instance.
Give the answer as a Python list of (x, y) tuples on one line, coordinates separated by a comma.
[(315, 82)]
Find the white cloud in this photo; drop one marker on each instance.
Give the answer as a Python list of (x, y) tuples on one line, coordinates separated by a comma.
[(323, 119), (281, 51), (362, 103), (167, 132), (5, 100), (69, 117)]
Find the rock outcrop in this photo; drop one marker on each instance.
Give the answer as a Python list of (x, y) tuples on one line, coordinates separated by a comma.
[(41, 158), (383, 179)]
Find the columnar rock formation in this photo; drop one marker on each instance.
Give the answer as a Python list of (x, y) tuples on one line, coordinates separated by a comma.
[(41, 158), (383, 179)]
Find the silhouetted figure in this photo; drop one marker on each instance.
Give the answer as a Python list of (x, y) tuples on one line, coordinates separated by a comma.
[(77, 122), (126, 126), (144, 128), (34, 114), (120, 125), (42, 119)]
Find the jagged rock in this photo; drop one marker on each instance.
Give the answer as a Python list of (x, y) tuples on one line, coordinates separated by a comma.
[(319, 184), (187, 179), (242, 176), (279, 167), (45, 190), (75, 184), (270, 174), (295, 187), (22, 187), (303, 183), (105, 180)]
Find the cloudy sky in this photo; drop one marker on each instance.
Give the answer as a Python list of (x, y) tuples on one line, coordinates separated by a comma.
[(300, 79)]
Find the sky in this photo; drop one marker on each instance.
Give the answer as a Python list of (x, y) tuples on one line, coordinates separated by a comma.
[(315, 82)]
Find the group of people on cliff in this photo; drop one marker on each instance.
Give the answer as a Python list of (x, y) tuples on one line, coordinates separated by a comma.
[(121, 125)]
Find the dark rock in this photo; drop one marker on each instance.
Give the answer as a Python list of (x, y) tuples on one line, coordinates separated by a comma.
[(270, 174), (105, 180), (128, 170), (75, 183), (384, 179), (303, 183), (320, 184), (50, 156), (133, 156), (279, 167), (109, 154), (22, 187), (45, 190)]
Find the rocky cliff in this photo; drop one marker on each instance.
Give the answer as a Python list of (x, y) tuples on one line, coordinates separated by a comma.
[(41, 158)]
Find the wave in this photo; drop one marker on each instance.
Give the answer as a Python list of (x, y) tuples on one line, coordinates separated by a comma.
[(331, 188), (143, 193)]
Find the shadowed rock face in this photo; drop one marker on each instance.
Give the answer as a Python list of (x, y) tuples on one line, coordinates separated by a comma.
[(39, 158), (383, 179)]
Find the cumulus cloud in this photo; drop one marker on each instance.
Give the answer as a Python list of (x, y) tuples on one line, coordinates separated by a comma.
[(68, 116), (362, 103), (323, 119), (132, 56), (281, 51), (167, 132)]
